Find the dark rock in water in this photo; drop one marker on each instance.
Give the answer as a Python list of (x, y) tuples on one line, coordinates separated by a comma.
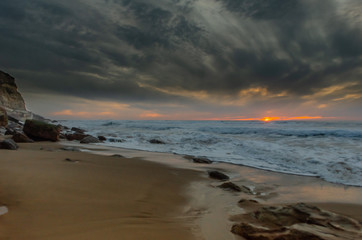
[(21, 138), (218, 175), (75, 136), (156, 141), (90, 139), (230, 186), (201, 160), (102, 138), (62, 136), (3, 117), (78, 130), (8, 144), (71, 149), (41, 131), (117, 155), (115, 140)]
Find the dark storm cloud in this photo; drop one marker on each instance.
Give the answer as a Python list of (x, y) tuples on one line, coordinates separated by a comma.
[(111, 48)]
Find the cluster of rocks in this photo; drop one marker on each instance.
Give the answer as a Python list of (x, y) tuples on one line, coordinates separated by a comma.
[(297, 221), (16, 131)]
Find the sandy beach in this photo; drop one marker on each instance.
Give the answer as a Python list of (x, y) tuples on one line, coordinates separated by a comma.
[(52, 193)]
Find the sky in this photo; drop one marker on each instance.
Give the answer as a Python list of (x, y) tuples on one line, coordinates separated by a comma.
[(185, 59)]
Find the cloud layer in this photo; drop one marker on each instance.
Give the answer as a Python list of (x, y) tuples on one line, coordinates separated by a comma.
[(200, 53)]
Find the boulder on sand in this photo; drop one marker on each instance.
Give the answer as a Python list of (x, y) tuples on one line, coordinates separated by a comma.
[(8, 144), (218, 175), (90, 139), (75, 136), (21, 138), (41, 131)]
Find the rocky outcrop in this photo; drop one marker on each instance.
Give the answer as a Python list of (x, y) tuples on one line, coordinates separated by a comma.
[(3, 117), (296, 222), (9, 95), (41, 131), (8, 144)]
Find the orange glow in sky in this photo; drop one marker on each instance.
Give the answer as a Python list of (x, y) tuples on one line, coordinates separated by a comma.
[(268, 119)]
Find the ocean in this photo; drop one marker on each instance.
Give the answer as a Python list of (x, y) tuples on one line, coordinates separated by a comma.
[(330, 150)]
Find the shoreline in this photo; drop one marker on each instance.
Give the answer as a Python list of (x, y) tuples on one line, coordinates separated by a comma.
[(279, 189), (206, 211), (214, 162)]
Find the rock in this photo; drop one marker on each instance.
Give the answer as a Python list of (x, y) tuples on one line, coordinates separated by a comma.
[(293, 222), (201, 160), (90, 139), (117, 155), (78, 130), (8, 144), (9, 95), (62, 136), (41, 131), (115, 140), (102, 138), (2, 131), (250, 232), (71, 160), (230, 186), (21, 138), (218, 175), (156, 141), (75, 136), (244, 201), (3, 117)]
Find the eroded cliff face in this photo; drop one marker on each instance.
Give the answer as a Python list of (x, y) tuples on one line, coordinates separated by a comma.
[(10, 98)]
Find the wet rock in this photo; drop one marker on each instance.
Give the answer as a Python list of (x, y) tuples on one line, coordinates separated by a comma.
[(201, 160), (218, 175), (75, 136), (102, 138), (156, 141), (230, 186), (71, 160), (90, 139), (42, 131), (21, 138), (246, 190), (8, 144), (78, 130), (297, 221), (243, 201), (117, 155), (3, 117), (115, 140), (250, 232)]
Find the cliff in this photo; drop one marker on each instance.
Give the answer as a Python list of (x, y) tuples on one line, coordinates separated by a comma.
[(10, 98)]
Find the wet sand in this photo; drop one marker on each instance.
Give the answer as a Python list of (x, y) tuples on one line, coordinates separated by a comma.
[(90, 196)]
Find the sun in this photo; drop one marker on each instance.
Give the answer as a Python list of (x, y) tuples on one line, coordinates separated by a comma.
[(266, 119)]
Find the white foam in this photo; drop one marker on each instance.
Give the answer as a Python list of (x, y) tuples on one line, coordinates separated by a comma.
[(304, 148)]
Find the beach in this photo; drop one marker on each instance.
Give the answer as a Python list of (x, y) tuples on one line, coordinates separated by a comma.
[(54, 193)]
